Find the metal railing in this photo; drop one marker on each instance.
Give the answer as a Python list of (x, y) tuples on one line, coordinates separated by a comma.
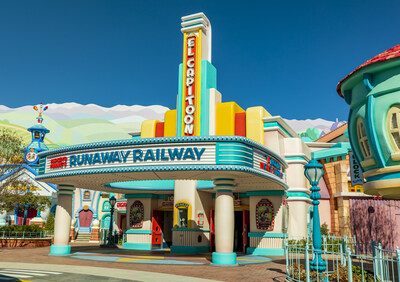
[(26, 234), (342, 264), (116, 238)]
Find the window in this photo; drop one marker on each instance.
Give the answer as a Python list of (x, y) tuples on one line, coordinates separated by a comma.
[(182, 217), (86, 195), (363, 140), (106, 206), (392, 125)]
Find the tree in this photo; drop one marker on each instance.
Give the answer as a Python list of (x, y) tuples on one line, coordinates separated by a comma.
[(14, 191), (49, 222)]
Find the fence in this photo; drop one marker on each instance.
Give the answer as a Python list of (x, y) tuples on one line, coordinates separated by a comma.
[(116, 238), (25, 234), (342, 263)]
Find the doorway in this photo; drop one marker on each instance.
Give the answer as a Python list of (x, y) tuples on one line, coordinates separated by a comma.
[(238, 232), (241, 230), (122, 222), (162, 223), (85, 220), (240, 238)]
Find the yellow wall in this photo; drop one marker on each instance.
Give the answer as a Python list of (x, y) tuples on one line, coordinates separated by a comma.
[(170, 123), (254, 123), (225, 121), (148, 128)]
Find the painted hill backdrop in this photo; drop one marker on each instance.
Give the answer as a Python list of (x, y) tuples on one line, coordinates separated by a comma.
[(73, 123)]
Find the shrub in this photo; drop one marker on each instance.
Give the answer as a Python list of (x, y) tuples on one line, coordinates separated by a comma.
[(324, 229), (21, 228), (298, 271), (49, 225)]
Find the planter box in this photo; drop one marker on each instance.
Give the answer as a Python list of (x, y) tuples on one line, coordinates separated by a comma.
[(25, 242)]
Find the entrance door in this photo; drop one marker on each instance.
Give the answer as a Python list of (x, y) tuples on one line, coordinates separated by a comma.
[(122, 225), (85, 218), (168, 218), (238, 232), (156, 238), (246, 220), (212, 231)]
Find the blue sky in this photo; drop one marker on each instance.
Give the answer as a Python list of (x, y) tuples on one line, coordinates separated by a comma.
[(287, 56)]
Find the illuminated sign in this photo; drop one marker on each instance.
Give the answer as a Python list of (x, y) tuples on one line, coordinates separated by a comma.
[(190, 86)]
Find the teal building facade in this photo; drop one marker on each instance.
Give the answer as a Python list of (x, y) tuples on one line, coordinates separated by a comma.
[(373, 94)]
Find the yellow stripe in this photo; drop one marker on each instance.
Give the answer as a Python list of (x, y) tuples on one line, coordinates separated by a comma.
[(252, 259), (198, 84), (184, 82)]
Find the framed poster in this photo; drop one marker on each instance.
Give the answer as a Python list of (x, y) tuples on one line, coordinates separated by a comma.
[(136, 214), (265, 215)]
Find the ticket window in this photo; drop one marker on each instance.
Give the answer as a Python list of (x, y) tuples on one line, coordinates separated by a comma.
[(182, 217)]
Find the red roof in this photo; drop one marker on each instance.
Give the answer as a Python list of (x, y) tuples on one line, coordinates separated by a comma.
[(387, 55)]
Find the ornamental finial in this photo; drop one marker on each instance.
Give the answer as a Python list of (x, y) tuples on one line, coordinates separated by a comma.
[(40, 109)]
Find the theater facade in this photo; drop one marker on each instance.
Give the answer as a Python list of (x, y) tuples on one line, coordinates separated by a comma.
[(211, 177)]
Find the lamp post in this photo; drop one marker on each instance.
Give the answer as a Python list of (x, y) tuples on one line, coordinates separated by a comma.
[(313, 172), (112, 203)]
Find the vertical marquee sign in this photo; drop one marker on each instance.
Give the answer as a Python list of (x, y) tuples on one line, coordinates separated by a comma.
[(191, 84)]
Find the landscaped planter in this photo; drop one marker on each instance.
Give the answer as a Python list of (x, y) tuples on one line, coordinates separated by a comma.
[(25, 242)]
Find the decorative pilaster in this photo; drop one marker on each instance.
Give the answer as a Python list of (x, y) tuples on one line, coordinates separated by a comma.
[(224, 222), (72, 231), (62, 224)]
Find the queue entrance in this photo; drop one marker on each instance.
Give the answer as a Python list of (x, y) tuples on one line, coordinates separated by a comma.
[(162, 224)]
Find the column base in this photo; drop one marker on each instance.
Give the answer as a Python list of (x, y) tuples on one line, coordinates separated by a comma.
[(60, 250), (224, 258)]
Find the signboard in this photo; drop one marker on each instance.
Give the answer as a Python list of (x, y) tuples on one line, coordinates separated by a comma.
[(190, 85), (267, 163), (121, 204), (174, 154), (265, 215), (355, 171)]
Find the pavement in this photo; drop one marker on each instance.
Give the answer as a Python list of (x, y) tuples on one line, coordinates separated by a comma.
[(89, 262)]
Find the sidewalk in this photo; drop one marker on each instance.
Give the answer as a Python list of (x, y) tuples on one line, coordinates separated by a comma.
[(270, 271)]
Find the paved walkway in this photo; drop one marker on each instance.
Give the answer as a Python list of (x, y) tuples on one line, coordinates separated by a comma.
[(54, 272), (273, 270), (159, 257)]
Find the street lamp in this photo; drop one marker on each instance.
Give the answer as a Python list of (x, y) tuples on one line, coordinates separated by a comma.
[(112, 203), (313, 172)]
